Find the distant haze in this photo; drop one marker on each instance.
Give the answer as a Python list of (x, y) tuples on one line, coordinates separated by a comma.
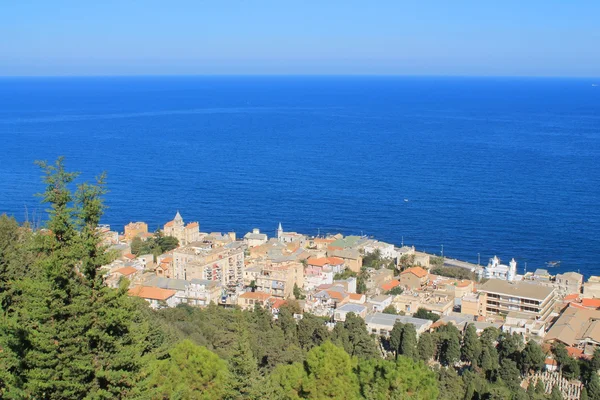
[(532, 38)]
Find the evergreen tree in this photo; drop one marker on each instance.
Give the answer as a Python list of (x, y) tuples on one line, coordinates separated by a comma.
[(532, 358), (556, 394), (244, 367), (560, 354), (593, 388), (191, 372), (449, 344), (584, 394), (408, 346), (396, 337), (450, 384), (510, 374), (471, 348), (425, 347), (355, 339)]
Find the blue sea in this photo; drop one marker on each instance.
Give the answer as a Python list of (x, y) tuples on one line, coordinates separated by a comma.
[(506, 166)]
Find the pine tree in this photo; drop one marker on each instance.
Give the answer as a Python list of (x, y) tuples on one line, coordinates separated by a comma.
[(556, 394), (408, 346), (593, 388), (532, 358), (425, 347), (471, 348), (396, 337), (244, 367)]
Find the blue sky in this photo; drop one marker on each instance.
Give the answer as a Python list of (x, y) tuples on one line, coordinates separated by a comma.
[(130, 37)]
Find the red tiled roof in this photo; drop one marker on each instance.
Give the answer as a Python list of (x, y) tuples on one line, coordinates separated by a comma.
[(418, 271), (355, 296), (129, 255), (334, 294), (169, 224), (551, 361), (319, 262), (390, 285), (574, 352), (153, 293), (571, 297), (590, 303), (277, 303), (255, 296), (191, 225), (126, 271), (335, 260)]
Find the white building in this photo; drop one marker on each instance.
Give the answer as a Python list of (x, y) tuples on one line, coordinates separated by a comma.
[(255, 238), (495, 270)]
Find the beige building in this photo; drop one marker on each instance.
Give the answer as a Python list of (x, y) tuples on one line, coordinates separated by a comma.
[(591, 288), (569, 283), (502, 297), (185, 234), (255, 238), (472, 305), (248, 300), (577, 327), (222, 264), (134, 229), (414, 278), (352, 258), (278, 279)]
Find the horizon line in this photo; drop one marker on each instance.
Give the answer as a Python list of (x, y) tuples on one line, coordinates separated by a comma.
[(391, 75)]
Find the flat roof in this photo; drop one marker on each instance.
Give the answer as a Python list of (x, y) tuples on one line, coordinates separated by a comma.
[(516, 289), (390, 320)]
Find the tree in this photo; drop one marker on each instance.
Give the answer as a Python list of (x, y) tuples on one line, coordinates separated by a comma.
[(355, 339), (425, 314), (298, 293), (425, 347), (595, 362), (191, 372), (402, 379), (450, 384), (560, 354), (395, 291), (311, 331), (556, 394), (593, 388), (532, 358), (488, 361), (509, 346), (471, 348), (510, 374), (390, 310), (408, 346), (449, 344), (396, 337), (584, 394), (243, 367)]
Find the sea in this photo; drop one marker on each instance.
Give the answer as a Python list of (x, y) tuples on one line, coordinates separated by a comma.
[(471, 166)]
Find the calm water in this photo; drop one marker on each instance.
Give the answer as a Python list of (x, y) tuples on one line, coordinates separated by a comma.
[(490, 166)]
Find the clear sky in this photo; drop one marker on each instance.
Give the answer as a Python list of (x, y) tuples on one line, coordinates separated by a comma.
[(445, 37)]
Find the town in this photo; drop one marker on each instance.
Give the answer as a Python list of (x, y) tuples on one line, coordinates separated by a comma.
[(334, 276)]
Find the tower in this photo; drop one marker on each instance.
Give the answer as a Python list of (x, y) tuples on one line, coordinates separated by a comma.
[(512, 270), (178, 220), (279, 231)]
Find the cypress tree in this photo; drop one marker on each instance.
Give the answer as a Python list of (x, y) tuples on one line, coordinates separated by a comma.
[(471, 348)]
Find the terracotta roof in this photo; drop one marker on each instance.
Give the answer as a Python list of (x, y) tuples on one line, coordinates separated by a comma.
[(335, 260), (551, 361), (319, 240), (126, 271), (277, 303), (255, 296), (167, 259), (191, 225), (319, 262), (590, 303), (129, 255), (464, 283), (418, 271), (334, 294), (571, 297), (574, 352), (355, 296), (390, 285), (169, 224), (153, 293)]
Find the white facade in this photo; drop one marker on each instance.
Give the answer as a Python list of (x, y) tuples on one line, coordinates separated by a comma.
[(495, 270)]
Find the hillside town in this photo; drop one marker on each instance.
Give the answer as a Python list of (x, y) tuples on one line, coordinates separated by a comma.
[(336, 275)]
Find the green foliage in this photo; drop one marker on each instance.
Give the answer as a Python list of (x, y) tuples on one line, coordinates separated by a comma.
[(450, 384), (345, 274), (376, 261), (390, 310), (556, 394), (403, 379), (593, 388), (395, 291), (453, 272), (471, 348), (191, 372), (298, 293), (436, 262), (532, 358), (407, 261), (448, 343), (425, 314), (352, 335), (156, 245), (425, 347)]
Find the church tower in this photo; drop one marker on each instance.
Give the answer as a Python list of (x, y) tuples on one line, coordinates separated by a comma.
[(512, 270), (279, 231)]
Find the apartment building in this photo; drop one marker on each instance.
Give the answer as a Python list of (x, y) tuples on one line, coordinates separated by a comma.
[(200, 261), (503, 297)]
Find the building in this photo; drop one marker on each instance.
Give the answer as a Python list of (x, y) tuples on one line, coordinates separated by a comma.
[(382, 324), (386, 250), (336, 264), (290, 237), (502, 297), (472, 305), (414, 278), (495, 270), (134, 229), (569, 283), (591, 288), (340, 314), (195, 292), (279, 279), (255, 238), (199, 260), (577, 327), (352, 258), (249, 300), (379, 303), (157, 297), (184, 233)]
